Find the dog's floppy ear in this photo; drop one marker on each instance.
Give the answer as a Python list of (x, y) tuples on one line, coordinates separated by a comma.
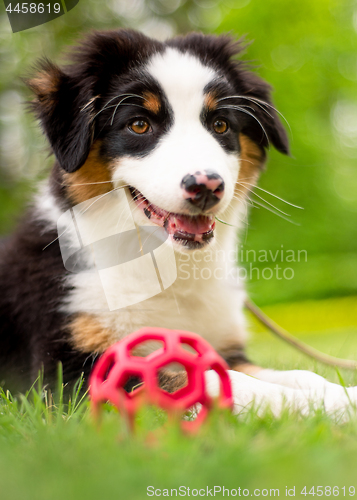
[(66, 98), (65, 110), (270, 130)]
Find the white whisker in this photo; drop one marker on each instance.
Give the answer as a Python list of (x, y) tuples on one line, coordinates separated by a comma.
[(91, 183), (126, 96), (119, 103), (238, 108), (271, 194), (276, 213), (257, 101), (267, 202)]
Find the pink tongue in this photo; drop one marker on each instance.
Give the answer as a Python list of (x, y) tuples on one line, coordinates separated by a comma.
[(194, 225)]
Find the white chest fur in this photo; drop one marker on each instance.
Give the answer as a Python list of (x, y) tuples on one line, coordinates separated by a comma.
[(204, 297)]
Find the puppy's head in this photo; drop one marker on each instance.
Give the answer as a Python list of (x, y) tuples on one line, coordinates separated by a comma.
[(180, 124)]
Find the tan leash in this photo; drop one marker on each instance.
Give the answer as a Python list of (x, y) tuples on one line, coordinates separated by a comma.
[(290, 339)]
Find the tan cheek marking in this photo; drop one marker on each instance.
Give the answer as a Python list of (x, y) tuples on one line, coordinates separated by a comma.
[(252, 161), (81, 184), (151, 102), (88, 335), (210, 101)]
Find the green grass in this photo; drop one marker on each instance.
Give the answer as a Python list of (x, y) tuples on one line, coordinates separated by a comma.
[(49, 450)]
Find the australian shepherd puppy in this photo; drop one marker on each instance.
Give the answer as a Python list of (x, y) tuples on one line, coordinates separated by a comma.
[(145, 134)]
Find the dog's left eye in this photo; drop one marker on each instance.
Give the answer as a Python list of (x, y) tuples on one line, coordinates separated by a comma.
[(140, 126), (220, 126)]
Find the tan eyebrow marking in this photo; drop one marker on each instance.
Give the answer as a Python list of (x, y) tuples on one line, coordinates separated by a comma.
[(211, 101), (151, 102)]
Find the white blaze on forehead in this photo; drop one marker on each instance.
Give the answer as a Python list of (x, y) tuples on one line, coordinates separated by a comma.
[(183, 78), (188, 146)]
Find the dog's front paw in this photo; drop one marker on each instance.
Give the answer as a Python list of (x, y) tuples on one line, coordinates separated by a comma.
[(307, 393), (248, 392)]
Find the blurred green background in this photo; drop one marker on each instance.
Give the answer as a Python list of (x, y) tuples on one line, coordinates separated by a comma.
[(307, 50)]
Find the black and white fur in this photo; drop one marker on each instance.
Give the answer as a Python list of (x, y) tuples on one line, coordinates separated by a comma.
[(118, 81)]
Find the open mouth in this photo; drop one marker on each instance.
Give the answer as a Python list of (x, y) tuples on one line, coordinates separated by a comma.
[(191, 231)]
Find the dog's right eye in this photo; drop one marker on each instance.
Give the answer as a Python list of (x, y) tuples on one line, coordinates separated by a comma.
[(140, 126), (220, 126)]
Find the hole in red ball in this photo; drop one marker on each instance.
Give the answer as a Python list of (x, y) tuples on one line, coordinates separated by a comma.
[(133, 384), (188, 348), (143, 349), (172, 377)]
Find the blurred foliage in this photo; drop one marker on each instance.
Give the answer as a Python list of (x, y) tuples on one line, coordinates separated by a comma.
[(307, 50)]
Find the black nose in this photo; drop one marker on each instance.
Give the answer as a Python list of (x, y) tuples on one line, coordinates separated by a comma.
[(203, 189)]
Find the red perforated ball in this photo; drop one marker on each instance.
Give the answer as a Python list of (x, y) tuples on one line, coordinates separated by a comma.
[(117, 365)]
